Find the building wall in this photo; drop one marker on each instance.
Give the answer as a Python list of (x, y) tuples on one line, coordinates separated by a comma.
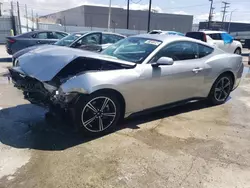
[(94, 16), (232, 27)]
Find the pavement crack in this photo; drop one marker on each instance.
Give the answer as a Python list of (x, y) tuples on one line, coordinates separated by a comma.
[(160, 121), (188, 172)]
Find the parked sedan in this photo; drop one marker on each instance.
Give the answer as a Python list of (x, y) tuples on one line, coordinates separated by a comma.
[(19, 42), (92, 41), (139, 73)]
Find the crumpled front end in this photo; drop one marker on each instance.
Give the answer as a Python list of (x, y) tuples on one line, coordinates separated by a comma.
[(41, 93)]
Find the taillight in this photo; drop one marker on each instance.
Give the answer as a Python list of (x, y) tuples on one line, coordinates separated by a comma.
[(11, 41), (204, 38)]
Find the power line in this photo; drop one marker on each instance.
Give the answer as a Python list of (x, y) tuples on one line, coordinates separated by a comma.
[(196, 5), (136, 1), (40, 7)]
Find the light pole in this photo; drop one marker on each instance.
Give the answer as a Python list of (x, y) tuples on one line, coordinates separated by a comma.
[(229, 24), (109, 15)]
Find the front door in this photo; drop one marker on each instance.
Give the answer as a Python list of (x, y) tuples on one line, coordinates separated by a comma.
[(173, 83)]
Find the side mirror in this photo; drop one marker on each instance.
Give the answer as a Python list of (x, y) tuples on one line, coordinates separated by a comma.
[(163, 61)]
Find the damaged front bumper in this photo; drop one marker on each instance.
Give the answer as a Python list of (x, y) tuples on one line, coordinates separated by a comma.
[(40, 93)]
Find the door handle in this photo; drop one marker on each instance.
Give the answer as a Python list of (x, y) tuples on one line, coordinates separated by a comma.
[(198, 69), (38, 42)]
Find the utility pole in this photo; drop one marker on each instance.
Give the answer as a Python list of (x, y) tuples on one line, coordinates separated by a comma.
[(128, 14), (224, 9), (64, 20), (19, 19), (210, 13), (1, 8), (27, 23), (149, 14), (109, 15), (37, 22)]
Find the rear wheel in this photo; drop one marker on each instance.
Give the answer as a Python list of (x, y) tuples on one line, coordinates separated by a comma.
[(238, 51), (221, 90), (98, 113)]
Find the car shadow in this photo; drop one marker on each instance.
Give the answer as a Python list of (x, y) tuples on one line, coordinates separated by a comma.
[(24, 126)]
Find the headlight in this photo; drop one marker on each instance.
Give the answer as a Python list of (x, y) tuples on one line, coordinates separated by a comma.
[(64, 97)]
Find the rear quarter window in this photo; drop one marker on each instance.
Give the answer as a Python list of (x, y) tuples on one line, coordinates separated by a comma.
[(196, 35), (215, 36), (204, 50)]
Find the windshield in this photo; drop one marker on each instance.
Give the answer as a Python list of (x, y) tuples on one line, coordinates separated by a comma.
[(66, 41), (133, 49)]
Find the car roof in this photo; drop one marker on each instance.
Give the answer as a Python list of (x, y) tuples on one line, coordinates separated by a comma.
[(165, 38), (165, 32), (103, 32), (38, 31), (213, 32)]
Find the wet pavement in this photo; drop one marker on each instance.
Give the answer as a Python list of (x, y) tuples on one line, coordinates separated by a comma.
[(188, 146)]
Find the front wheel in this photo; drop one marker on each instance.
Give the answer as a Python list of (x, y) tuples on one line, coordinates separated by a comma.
[(98, 113), (221, 90)]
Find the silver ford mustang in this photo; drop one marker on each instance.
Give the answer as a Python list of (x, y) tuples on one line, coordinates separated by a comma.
[(136, 74)]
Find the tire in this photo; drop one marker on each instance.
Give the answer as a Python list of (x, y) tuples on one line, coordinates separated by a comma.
[(238, 51), (98, 113), (218, 94)]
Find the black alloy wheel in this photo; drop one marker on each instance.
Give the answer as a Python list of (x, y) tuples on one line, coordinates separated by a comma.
[(221, 90), (98, 114)]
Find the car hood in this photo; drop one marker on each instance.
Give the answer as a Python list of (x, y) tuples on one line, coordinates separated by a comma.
[(25, 50), (44, 63)]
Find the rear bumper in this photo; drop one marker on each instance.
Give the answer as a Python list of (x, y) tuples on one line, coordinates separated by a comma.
[(238, 77)]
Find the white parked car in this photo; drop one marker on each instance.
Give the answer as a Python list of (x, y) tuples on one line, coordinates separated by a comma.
[(220, 39)]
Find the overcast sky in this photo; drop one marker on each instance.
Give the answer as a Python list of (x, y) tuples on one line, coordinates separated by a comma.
[(198, 8)]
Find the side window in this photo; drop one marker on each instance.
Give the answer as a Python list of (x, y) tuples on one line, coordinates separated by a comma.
[(58, 35), (110, 39), (204, 50), (51, 35), (91, 39), (215, 36), (42, 35), (179, 51)]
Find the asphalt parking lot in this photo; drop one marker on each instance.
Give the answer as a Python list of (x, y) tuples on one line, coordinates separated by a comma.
[(188, 146)]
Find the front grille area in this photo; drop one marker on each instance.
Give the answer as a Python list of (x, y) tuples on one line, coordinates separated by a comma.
[(33, 89), (25, 83)]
